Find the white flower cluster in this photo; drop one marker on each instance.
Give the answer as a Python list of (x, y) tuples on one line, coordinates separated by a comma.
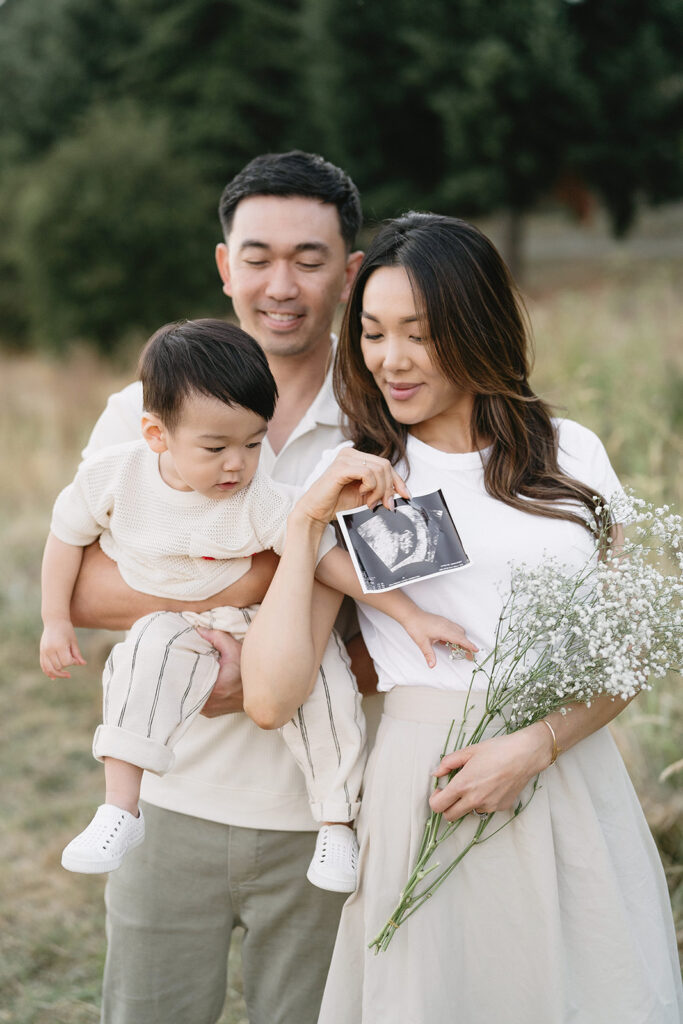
[(611, 627)]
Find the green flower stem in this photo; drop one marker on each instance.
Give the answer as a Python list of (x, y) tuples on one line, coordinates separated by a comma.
[(409, 902)]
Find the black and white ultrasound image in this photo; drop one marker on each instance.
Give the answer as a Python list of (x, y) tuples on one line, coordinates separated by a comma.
[(417, 540)]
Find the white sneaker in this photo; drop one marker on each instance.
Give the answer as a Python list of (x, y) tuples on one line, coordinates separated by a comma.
[(335, 861), (105, 842)]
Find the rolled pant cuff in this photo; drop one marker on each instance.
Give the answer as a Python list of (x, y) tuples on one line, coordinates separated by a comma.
[(112, 741), (325, 810)]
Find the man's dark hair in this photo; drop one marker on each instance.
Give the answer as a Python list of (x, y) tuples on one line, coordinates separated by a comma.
[(295, 174), (206, 357)]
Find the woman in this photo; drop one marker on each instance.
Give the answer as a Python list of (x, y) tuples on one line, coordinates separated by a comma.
[(564, 915)]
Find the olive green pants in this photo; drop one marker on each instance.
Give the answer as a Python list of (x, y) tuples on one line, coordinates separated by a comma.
[(171, 909)]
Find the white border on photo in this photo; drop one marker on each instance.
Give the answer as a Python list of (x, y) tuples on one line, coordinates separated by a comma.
[(384, 574)]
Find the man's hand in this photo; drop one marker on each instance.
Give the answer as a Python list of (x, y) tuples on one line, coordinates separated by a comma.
[(226, 697)]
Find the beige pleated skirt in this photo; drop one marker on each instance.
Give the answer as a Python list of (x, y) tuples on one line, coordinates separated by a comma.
[(562, 918)]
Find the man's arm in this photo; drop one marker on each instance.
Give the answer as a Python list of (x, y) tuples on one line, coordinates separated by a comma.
[(362, 665), (101, 599)]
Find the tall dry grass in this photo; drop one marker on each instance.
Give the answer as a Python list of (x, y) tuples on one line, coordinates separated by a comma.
[(609, 352)]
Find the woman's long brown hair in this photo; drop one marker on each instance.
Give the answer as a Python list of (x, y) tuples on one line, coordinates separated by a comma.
[(475, 323)]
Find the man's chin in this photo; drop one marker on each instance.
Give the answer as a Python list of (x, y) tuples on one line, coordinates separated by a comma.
[(285, 344)]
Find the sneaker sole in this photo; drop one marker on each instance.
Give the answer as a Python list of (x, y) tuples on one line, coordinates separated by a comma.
[(99, 867), (332, 885)]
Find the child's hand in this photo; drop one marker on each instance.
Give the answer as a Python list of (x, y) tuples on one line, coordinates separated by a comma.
[(426, 630), (59, 648)]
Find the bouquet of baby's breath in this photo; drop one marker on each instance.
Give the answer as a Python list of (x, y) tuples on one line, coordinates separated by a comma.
[(566, 636)]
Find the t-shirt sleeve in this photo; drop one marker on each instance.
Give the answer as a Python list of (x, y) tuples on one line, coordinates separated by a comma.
[(82, 510), (275, 502), (328, 541), (119, 421), (271, 503), (582, 455)]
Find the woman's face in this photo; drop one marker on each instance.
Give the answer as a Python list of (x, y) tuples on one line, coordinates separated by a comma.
[(398, 357)]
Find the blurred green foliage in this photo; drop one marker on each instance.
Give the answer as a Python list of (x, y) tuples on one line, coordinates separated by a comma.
[(121, 122), (113, 230)]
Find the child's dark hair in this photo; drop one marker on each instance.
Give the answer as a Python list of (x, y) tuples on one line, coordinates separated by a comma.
[(207, 357), (295, 174)]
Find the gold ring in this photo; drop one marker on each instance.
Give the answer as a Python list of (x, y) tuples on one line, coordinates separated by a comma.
[(455, 651)]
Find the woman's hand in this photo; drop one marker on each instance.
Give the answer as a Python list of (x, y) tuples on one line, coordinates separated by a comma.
[(493, 773), (354, 478)]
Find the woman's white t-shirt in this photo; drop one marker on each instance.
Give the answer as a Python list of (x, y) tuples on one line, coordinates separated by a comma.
[(494, 535)]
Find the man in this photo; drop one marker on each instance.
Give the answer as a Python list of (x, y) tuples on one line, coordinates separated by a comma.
[(229, 834)]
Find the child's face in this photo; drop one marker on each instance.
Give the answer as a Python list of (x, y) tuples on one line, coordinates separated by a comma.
[(214, 449)]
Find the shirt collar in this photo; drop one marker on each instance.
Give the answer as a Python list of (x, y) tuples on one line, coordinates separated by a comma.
[(324, 409)]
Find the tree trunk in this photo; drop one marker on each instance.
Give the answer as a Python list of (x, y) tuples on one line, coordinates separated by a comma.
[(513, 244)]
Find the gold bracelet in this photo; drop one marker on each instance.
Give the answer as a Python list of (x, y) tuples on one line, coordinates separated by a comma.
[(556, 749)]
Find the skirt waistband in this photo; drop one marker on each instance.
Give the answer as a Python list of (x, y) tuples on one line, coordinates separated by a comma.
[(427, 704)]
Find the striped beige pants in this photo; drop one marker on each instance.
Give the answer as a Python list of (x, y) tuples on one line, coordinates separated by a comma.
[(157, 680)]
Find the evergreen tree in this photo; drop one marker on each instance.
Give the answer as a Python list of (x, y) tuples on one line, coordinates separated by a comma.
[(464, 108), (630, 59), (367, 100), (473, 107), (225, 71), (56, 59), (114, 233)]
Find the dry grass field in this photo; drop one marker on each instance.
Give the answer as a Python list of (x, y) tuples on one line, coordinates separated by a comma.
[(609, 353)]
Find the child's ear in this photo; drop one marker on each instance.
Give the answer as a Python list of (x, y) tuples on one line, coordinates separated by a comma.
[(154, 432)]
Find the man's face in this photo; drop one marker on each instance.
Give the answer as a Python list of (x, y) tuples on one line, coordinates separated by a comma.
[(286, 268)]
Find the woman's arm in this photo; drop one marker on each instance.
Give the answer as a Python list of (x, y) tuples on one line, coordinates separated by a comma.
[(283, 648), (284, 645), (101, 599)]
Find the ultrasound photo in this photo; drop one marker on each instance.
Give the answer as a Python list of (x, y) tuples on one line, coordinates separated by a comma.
[(392, 549)]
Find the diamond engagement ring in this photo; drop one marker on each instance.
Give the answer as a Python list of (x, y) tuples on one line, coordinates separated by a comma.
[(480, 814), (456, 652)]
